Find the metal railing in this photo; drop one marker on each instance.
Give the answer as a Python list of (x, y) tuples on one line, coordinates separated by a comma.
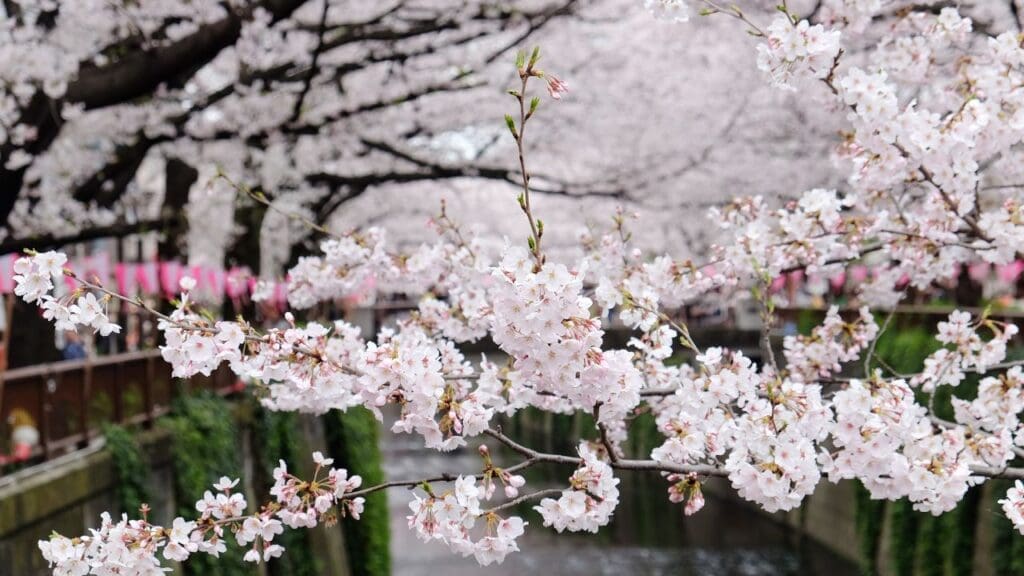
[(69, 401)]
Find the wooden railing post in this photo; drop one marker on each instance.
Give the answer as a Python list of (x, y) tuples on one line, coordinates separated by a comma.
[(119, 393), (83, 412), (147, 392), (44, 414), (86, 401)]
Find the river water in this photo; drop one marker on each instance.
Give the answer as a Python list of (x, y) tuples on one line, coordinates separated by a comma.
[(648, 536)]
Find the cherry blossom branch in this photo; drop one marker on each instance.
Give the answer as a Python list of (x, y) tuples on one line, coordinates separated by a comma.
[(250, 334), (828, 80), (524, 498), (733, 11), (621, 464), (874, 342), (311, 74), (684, 333), (445, 223), (608, 446), (526, 71), (950, 204), (261, 198)]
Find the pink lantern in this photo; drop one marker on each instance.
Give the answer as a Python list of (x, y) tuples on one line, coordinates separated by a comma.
[(978, 271), (146, 274), (170, 277), (1010, 272), (215, 281), (838, 281), (859, 274), (7, 273), (235, 282), (127, 278)]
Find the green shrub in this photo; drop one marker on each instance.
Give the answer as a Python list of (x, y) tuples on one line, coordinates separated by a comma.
[(958, 534)]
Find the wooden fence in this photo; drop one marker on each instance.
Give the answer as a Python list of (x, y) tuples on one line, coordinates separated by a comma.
[(69, 401)]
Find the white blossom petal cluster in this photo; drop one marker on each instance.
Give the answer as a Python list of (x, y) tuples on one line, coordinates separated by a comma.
[(966, 350), (451, 518), (793, 51), (671, 10), (1013, 505), (885, 439), (34, 279), (590, 500), (830, 344), (773, 461)]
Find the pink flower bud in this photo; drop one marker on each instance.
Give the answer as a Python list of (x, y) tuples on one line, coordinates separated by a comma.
[(556, 87)]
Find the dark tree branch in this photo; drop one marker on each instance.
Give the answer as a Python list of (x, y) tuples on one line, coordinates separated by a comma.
[(119, 230), (139, 73), (144, 68), (437, 88), (1015, 10), (439, 170), (308, 83), (535, 23)]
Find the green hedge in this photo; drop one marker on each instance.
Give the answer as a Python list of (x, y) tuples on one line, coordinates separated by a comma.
[(205, 447), (868, 517), (275, 434), (132, 472), (353, 441)]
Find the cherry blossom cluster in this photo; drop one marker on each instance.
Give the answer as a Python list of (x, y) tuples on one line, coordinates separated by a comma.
[(193, 344), (451, 517), (1013, 505), (965, 350), (590, 500), (887, 441), (34, 279), (773, 460), (303, 504), (686, 488), (996, 408), (136, 546), (829, 346), (796, 50), (543, 321), (698, 419), (672, 10), (343, 268)]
